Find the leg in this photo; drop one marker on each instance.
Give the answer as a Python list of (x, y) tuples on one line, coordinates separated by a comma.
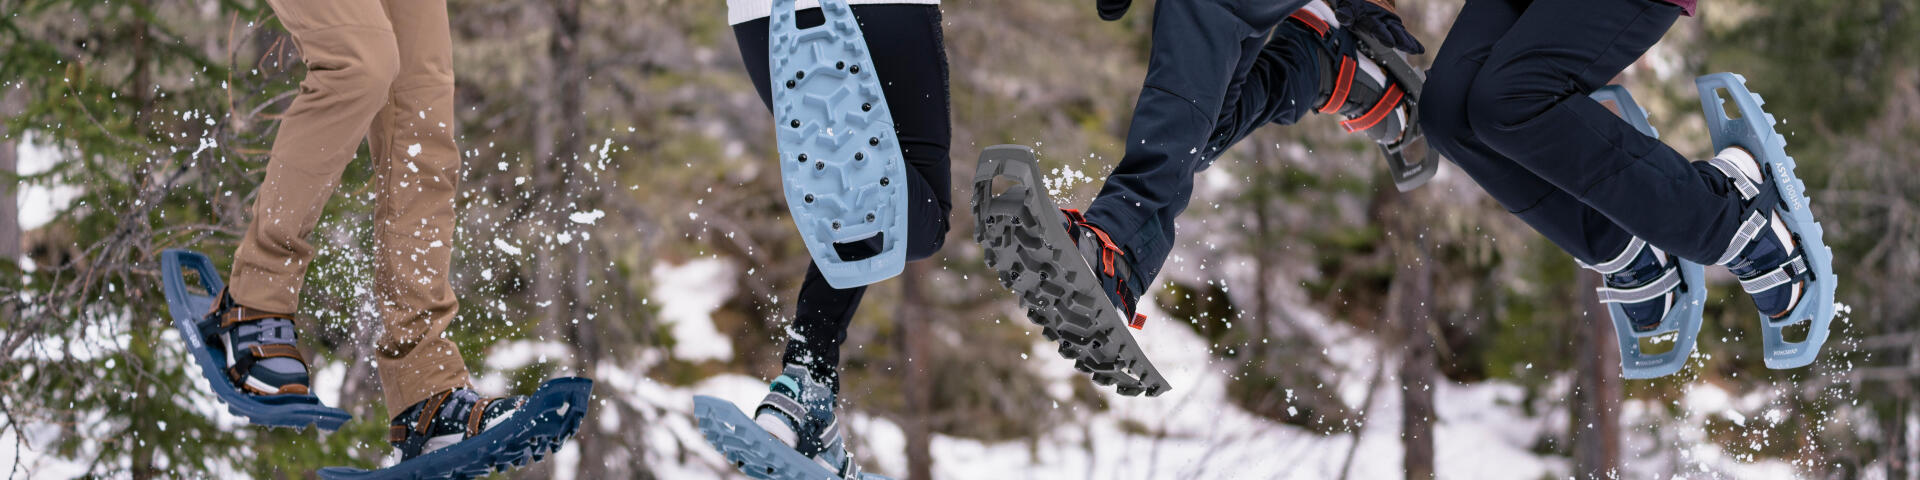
[(351, 60), (1202, 52), (417, 173), (909, 53), (1530, 104), (1577, 228)]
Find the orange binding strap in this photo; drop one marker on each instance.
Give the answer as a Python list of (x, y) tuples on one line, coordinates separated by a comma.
[(1377, 113), (1341, 87), (1310, 20)]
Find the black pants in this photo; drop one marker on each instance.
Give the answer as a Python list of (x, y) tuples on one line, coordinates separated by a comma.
[(1213, 77), (910, 55), (1507, 101)]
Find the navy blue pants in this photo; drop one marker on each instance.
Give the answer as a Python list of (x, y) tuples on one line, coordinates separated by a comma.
[(1214, 76), (910, 55), (1507, 101)]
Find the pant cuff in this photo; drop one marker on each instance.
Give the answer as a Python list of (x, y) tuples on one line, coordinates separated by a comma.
[(432, 367)]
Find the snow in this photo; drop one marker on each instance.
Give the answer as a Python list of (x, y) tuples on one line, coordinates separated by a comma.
[(688, 294), (39, 203)]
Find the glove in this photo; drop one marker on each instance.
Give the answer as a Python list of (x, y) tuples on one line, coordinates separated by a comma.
[(1376, 20), (1111, 10)]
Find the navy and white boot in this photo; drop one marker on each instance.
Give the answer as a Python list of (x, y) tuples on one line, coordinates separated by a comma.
[(793, 435), (798, 410), (1374, 87)]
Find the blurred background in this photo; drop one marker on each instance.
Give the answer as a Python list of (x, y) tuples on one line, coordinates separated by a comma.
[(621, 219)]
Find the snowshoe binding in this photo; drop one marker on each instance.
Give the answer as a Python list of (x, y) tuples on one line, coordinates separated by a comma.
[(844, 176), (1653, 297), (458, 434), (794, 434), (1076, 291), (1376, 89), (247, 357), (1779, 253)]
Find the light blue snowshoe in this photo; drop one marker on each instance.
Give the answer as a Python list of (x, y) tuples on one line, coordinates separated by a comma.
[(1652, 297), (840, 162), (1781, 193), (752, 449)]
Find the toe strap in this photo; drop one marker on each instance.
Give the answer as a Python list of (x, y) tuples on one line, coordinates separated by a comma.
[(1792, 271), (1650, 291)]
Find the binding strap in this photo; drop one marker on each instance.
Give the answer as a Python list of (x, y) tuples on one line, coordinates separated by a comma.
[(243, 361), (1379, 112), (1342, 86), (1792, 271), (1108, 250), (1620, 262), (1650, 291)]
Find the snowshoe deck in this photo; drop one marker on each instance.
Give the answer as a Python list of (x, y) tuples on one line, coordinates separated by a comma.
[(1683, 320), (843, 174), (1026, 242), (1753, 129), (1410, 161), (551, 415), (751, 449), (187, 304)]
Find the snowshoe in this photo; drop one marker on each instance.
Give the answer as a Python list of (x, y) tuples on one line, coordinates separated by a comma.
[(206, 320), (1377, 89), (468, 437), (1780, 217), (1028, 242), (1653, 297), (759, 453), (842, 171)]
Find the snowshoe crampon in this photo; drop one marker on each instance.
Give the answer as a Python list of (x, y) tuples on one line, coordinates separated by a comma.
[(1679, 330), (1410, 161), (1752, 129), (1026, 242), (751, 449), (189, 302), (840, 162), (551, 416)]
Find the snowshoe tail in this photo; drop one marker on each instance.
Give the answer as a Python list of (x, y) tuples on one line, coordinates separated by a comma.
[(750, 448), (1410, 161), (188, 302), (844, 176), (1682, 322), (1616, 98), (1751, 128), (1026, 242), (551, 416)]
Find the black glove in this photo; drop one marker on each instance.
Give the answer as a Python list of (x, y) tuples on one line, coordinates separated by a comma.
[(1111, 10), (1376, 21)]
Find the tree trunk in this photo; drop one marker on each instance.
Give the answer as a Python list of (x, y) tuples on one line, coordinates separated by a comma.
[(1411, 298), (916, 383), (9, 197), (1597, 388)]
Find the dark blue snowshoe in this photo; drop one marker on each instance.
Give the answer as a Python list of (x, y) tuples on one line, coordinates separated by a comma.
[(265, 379), (840, 164), (459, 435), (1653, 297)]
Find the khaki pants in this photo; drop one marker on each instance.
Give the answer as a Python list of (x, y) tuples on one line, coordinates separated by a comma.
[(381, 70)]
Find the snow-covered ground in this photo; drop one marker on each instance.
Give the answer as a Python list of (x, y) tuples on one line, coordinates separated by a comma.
[(1482, 432)]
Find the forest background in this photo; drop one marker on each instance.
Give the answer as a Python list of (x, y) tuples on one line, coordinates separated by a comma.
[(620, 219)]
